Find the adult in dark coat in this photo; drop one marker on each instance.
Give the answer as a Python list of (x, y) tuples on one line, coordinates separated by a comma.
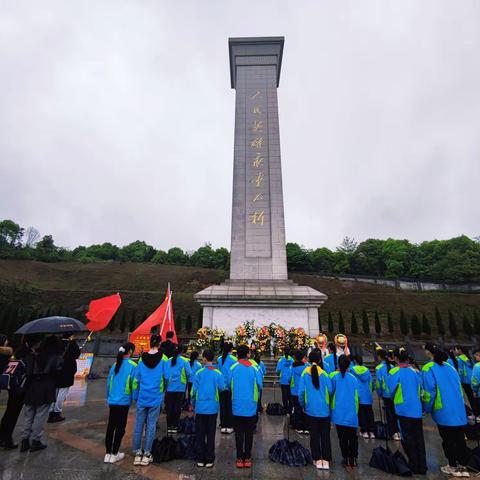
[(43, 367), (169, 346), (5, 352), (65, 380), (15, 401)]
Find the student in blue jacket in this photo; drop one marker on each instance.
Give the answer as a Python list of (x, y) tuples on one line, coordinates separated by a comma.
[(177, 374), (366, 418), (284, 365), (330, 362), (465, 367), (119, 398), (148, 388), (443, 399), (297, 418), (383, 392), (245, 382), (207, 385), (224, 362), (405, 383), (344, 406), (476, 375), (195, 366), (314, 392), (263, 370)]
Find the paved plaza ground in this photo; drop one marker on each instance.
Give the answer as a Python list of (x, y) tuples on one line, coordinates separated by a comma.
[(75, 450)]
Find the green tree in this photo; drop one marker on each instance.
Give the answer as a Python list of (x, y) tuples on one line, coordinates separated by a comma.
[(341, 323), (403, 323), (321, 260), (452, 324), (46, 250), (298, 258), (137, 251), (105, 251), (378, 324), (160, 257), (330, 322), (176, 256), (476, 323), (365, 323), (426, 325), (439, 322), (10, 238), (416, 325), (353, 324), (390, 323), (467, 326)]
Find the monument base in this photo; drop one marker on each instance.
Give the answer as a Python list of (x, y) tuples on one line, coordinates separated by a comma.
[(264, 301)]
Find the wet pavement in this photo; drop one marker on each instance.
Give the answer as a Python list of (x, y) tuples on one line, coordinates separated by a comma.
[(75, 450)]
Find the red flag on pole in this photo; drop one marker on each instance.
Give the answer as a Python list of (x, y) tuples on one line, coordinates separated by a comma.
[(101, 311), (162, 317)]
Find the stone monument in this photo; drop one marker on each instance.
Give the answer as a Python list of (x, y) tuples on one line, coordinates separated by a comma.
[(258, 288)]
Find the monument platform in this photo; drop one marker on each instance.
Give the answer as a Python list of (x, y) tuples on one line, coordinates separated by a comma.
[(265, 301)]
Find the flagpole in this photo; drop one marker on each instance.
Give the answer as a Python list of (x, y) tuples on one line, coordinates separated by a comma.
[(167, 309)]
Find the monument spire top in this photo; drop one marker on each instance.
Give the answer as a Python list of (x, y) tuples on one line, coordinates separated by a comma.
[(253, 51)]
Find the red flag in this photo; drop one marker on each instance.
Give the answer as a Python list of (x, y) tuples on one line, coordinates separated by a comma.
[(162, 317), (154, 320), (168, 323), (101, 311)]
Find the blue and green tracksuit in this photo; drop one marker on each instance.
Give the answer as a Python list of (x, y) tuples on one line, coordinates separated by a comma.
[(295, 377), (225, 367), (148, 384), (381, 386), (263, 368), (365, 384), (120, 386), (406, 387), (476, 378), (315, 403), (329, 363), (442, 394), (245, 381), (195, 368), (283, 369), (207, 385), (177, 376), (344, 403), (465, 367)]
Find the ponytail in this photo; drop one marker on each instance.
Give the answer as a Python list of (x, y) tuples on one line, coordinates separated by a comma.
[(176, 353), (343, 364), (454, 359), (193, 357), (124, 350), (314, 358), (227, 347)]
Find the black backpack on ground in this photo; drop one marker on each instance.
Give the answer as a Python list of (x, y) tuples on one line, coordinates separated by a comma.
[(164, 450), (187, 425), (380, 430), (187, 447)]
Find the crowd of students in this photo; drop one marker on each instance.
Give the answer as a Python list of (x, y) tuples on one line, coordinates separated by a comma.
[(324, 387)]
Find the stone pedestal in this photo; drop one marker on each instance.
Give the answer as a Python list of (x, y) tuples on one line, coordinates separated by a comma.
[(258, 288)]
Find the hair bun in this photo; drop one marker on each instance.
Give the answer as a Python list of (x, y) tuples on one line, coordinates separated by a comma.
[(121, 350)]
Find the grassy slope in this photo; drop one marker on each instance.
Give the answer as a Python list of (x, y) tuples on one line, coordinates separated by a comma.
[(71, 286)]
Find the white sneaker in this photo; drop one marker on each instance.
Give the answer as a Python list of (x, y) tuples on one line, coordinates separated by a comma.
[(397, 437), (200, 464), (209, 465), (318, 464), (223, 430), (116, 458), (138, 459), (463, 470), (300, 432), (451, 471), (365, 435), (107, 457), (147, 459), (229, 430), (326, 465), (372, 435)]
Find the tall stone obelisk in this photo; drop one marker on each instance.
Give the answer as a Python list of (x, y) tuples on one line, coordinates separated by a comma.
[(258, 288)]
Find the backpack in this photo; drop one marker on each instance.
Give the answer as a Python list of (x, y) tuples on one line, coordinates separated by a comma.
[(187, 425), (275, 409), (164, 450), (187, 447), (380, 430), (14, 377)]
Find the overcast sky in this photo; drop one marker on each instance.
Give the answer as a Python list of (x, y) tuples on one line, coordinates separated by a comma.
[(116, 118)]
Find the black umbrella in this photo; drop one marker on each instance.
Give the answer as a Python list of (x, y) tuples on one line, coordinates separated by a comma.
[(52, 325)]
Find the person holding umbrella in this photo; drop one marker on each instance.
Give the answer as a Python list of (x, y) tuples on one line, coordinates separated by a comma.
[(43, 366), (314, 392)]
